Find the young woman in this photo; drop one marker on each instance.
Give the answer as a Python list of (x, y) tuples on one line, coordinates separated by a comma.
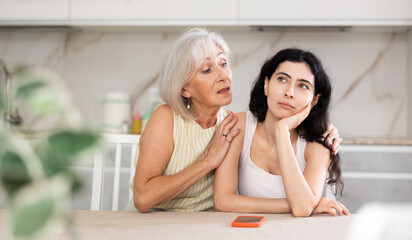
[(275, 164)]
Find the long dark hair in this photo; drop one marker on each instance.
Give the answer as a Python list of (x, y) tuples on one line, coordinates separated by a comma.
[(312, 128)]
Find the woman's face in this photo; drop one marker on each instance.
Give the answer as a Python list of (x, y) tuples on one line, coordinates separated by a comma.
[(290, 89), (212, 84)]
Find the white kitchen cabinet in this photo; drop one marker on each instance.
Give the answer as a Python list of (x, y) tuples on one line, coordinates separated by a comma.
[(213, 12), (376, 173), (38, 10), (325, 12), (163, 12)]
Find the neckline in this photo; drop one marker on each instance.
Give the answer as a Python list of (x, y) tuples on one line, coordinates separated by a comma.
[(250, 152), (198, 125), (193, 121)]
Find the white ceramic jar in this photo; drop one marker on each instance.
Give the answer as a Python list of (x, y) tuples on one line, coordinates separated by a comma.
[(116, 112)]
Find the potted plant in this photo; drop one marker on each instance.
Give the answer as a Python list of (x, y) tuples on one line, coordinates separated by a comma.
[(36, 152)]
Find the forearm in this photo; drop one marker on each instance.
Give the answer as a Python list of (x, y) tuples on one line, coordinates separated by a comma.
[(160, 189), (246, 204), (300, 195)]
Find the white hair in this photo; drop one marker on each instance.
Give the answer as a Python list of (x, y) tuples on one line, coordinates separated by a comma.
[(182, 62)]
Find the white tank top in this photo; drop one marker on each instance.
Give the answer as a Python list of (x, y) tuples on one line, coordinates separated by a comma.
[(254, 181)]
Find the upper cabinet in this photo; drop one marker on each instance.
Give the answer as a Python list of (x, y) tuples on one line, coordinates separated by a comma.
[(164, 12), (26, 11), (325, 12), (211, 12)]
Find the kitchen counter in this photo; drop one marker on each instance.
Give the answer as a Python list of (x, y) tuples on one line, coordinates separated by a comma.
[(377, 141), (201, 225)]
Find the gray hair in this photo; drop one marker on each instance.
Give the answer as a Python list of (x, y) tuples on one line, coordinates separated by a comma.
[(182, 62)]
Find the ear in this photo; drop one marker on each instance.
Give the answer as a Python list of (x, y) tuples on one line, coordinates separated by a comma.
[(315, 100), (266, 87), (185, 93)]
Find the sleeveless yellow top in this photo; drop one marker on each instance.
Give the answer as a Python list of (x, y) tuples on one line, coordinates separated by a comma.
[(191, 144)]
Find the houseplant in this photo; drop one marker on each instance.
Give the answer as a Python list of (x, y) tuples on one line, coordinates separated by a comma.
[(36, 154)]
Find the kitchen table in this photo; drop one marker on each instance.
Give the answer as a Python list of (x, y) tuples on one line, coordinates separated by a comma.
[(117, 225)]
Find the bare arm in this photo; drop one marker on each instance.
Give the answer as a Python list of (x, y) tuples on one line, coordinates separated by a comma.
[(225, 195), (302, 190), (150, 186)]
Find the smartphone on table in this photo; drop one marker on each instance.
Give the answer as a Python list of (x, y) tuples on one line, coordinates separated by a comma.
[(248, 221)]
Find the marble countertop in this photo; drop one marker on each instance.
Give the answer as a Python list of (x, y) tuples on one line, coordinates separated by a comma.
[(377, 141)]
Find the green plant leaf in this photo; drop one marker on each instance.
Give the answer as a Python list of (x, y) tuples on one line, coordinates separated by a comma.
[(13, 172), (32, 218), (72, 143), (50, 157), (44, 101), (26, 89), (40, 208)]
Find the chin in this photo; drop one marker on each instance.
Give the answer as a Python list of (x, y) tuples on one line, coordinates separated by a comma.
[(227, 102), (282, 116)]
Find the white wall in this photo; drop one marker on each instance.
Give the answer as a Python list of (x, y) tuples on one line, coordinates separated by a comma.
[(369, 69)]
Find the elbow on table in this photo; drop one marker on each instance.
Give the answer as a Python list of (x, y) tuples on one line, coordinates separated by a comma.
[(302, 211), (219, 205), (304, 208), (141, 203)]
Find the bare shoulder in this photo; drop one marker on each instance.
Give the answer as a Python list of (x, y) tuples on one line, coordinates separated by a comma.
[(241, 123), (164, 112), (241, 115), (315, 149), (242, 119), (160, 125)]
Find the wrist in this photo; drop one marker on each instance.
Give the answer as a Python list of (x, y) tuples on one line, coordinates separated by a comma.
[(281, 130), (207, 164)]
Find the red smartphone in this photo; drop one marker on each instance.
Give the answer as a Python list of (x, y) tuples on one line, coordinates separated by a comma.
[(248, 221)]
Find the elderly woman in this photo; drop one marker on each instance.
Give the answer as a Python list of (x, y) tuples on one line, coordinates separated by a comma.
[(186, 139)]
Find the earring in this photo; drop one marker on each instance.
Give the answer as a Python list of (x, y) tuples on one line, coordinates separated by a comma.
[(188, 104)]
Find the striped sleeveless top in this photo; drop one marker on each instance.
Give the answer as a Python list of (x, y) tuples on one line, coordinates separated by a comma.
[(191, 144)]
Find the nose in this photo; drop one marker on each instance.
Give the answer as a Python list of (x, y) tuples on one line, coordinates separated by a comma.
[(223, 74), (289, 92)]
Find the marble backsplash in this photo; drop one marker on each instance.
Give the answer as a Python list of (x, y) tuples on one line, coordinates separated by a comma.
[(369, 70)]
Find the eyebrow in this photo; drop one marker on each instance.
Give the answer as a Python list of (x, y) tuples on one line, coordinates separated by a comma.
[(287, 75)]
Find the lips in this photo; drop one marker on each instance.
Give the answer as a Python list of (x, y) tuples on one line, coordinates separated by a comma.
[(224, 90), (286, 105)]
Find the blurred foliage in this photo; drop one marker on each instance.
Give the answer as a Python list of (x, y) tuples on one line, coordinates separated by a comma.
[(36, 174), (33, 217), (13, 172), (2, 102), (72, 143)]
